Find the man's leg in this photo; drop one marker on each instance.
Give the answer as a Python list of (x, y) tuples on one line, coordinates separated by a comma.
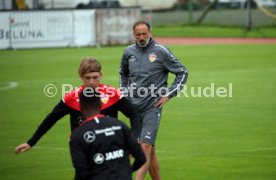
[(141, 173), (151, 120), (154, 168)]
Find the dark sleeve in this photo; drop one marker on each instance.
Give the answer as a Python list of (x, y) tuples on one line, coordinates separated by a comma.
[(134, 148), (173, 65), (128, 109), (79, 159), (57, 113), (123, 71)]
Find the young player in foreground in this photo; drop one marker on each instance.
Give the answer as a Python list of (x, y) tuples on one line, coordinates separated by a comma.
[(100, 147), (112, 102)]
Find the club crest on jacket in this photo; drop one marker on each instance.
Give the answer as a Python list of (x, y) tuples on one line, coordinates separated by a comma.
[(104, 98), (152, 57)]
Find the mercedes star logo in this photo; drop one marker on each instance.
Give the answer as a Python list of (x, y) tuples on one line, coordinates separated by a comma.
[(89, 136)]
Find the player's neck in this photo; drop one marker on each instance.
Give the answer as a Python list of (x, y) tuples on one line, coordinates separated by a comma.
[(91, 113)]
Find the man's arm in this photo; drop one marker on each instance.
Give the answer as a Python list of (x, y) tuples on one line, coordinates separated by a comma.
[(57, 113), (173, 65), (79, 159), (134, 148), (123, 71)]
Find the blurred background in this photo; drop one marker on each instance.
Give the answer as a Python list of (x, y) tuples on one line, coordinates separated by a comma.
[(76, 23), (218, 12)]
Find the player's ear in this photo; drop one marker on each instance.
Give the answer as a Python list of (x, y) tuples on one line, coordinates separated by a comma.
[(101, 75), (81, 78)]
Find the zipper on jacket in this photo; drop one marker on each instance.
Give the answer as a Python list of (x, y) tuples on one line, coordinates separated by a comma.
[(140, 65)]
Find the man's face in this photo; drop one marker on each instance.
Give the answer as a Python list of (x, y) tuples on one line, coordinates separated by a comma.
[(142, 34), (91, 79)]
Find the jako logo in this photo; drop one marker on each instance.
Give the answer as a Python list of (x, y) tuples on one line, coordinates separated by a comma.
[(99, 158), (114, 155)]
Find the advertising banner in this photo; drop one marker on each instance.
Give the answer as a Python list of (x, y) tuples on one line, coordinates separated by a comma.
[(36, 29), (4, 30), (67, 28)]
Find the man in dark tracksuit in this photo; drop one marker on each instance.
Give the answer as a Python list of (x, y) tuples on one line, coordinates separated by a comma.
[(101, 145), (144, 73), (112, 102)]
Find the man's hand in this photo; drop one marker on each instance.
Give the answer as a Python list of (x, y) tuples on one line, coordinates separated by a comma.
[(22, 148), (161, 102)]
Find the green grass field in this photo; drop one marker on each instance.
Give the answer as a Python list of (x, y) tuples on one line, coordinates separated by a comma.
[(217, 138), (213, 31)]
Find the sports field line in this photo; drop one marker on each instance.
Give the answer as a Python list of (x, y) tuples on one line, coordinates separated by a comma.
[(10, 85)]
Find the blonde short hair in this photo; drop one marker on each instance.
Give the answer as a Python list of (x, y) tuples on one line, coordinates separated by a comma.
[(88, 65)]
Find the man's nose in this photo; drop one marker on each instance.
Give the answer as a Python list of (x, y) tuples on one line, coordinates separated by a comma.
[(91, 81), (142, 37)]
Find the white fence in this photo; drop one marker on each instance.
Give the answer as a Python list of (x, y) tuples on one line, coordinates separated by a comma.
[(66, 28)]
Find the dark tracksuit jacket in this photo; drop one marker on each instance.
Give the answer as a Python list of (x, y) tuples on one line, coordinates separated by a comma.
[(150, 66), (100, 149), (112, 102)]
